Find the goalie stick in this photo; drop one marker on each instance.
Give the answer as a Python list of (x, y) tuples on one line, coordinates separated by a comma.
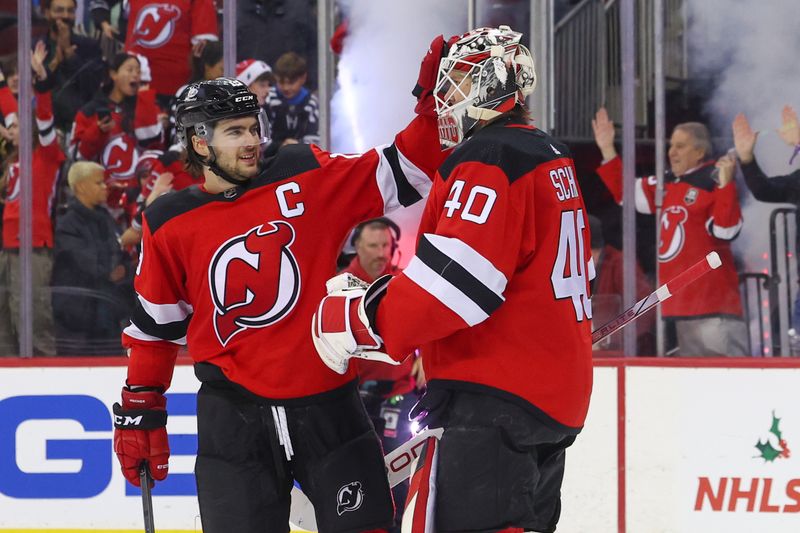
[(692, 274)]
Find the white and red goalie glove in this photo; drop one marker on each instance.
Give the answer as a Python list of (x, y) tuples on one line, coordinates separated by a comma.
[(341, 327)]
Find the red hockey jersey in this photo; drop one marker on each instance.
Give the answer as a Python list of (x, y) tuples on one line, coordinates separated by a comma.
[(238, 275), (162, 162), (697, 217), (164, 33), (153, 163), (47, 160), (497, 294)]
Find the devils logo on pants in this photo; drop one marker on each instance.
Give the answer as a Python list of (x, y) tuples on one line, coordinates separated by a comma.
[(673, 234), (349, 498), (155, 25), (254, 279)]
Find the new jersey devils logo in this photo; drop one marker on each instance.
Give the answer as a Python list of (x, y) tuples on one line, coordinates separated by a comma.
[(120, 157), (254, 279), (673, 234), (155, 25), (349, 498)]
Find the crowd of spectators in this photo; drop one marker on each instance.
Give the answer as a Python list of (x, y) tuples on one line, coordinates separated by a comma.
[(105, 148)]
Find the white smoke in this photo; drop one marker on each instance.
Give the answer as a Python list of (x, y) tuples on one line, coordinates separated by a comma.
[(377, 71), (751, 48)]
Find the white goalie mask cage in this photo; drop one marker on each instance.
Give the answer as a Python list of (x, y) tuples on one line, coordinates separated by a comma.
[(485, 74)]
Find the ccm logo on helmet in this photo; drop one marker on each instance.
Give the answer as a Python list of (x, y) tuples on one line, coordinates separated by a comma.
[(243, 98)]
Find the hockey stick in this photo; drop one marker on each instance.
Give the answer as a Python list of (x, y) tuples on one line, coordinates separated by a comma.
[(692, 274), (399, 462), (147, 498)]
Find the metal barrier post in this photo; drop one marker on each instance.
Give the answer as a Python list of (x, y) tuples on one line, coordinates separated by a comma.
[(775, 278), (24, 40)]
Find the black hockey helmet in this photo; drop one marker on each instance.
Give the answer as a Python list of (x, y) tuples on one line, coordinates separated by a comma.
[(203, 103)]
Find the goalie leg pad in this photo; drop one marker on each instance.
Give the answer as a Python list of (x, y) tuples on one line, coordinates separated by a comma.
[(418, 516)]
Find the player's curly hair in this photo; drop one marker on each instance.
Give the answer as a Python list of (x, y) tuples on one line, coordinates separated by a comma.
[(194, 163)]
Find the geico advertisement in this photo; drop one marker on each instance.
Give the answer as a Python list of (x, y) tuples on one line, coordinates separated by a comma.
[(57, 465), (711, 450), (58, 469), (706, 450)]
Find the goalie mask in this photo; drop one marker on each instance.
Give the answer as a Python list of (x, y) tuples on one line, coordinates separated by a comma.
[(485, 74), (202, 105)]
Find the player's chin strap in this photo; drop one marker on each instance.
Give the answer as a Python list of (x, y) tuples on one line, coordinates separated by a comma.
[(215, 168)]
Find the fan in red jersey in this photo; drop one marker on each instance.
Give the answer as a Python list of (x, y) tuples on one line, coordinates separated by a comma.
[(234, 269), (496, 297), (157, 173), (118, 124), (699, 216), (167, 33), (47, 161)]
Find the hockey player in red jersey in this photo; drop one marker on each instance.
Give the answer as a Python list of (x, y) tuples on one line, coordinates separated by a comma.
[(497, 296), (698, 216), (234, 269)]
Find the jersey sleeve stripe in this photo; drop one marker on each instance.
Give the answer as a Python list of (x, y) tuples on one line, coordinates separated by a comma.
[(170, 331), (726, 234), (136, 333), (392, 181), (166, 313), (474, 263), (47, 136), (416, 177), (458, 276), (47, 133), (204, 37), (10, 119), (442, 290), (641, 202), (44, 124)]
